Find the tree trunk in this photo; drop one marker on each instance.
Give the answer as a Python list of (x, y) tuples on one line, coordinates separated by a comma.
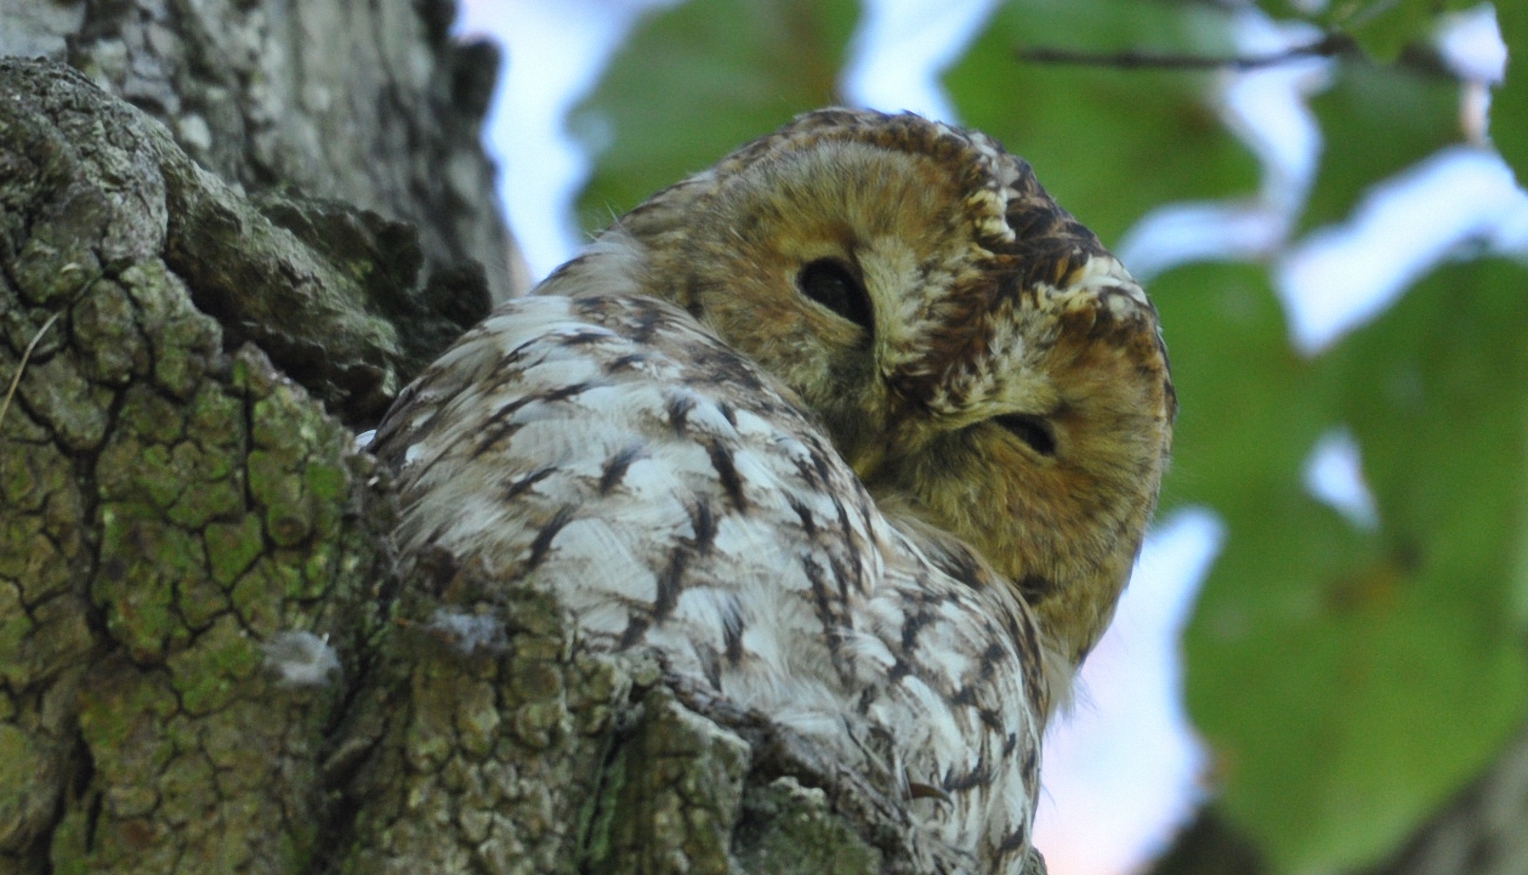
[(366, 103), (211, 660)]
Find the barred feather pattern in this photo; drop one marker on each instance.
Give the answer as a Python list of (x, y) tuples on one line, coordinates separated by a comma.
[(676, 497)]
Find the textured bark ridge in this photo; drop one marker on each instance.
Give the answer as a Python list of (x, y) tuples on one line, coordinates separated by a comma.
[(489, 741), (321, 287), (368, 103), (210, 659)]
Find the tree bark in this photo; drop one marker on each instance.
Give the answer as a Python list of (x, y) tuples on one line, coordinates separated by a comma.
[(370, 104), (176, 515), (211, 659)]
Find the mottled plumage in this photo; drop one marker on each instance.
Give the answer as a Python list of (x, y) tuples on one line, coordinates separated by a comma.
[(857, 428)]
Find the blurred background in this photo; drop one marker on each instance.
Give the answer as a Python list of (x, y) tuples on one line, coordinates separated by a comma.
[(1319, 665)]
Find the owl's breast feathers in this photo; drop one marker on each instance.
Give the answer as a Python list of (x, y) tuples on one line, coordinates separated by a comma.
[(676, 497)]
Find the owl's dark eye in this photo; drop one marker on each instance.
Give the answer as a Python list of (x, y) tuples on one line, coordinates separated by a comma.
[(1032, 430), (832, 284)]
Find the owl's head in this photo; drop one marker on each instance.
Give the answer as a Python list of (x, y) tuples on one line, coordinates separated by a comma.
[(975, 353)]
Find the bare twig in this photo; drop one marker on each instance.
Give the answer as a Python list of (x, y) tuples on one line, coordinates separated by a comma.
[(1328, 46), (21, 366)]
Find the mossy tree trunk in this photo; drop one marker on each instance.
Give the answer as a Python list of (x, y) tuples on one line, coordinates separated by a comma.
[(229, 233)]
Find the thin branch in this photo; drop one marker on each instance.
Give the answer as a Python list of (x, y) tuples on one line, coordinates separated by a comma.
[(1328, 46), (10, 393)]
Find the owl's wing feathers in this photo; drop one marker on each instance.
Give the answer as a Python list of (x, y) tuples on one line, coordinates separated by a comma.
[(676, 497), (968, 675)]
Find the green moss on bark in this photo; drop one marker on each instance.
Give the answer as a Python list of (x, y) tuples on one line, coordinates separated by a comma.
[(149, 477)]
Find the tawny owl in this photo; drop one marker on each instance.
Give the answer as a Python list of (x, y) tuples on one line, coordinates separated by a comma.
[(858, 428)]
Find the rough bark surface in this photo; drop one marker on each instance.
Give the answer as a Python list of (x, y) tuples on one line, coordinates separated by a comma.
[(371, 104), (175, 517), (210, 659)]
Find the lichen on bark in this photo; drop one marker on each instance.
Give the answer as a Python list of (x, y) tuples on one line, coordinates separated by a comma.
[(169, 507)]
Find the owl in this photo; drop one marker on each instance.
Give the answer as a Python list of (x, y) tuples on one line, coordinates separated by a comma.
[(857, 429)]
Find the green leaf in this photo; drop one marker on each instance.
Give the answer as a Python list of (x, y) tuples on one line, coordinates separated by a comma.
[(1509, 105), (1291, 9), (1376, 121), (1382, 28), (1349, 680), (698, 80), (1249, 407), (1109, 144)]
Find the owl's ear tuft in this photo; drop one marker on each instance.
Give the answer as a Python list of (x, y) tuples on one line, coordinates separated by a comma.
[(835, 285)]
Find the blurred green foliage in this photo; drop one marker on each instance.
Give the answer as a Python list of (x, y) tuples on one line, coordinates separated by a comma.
[(695, 82), (1382, 28), (1347, 678), (1108, 144), (1376, 121), (1509, 107)]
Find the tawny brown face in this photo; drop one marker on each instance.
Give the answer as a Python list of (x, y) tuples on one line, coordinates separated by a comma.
[(821, 265), (974, 352), (1057, 498)]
